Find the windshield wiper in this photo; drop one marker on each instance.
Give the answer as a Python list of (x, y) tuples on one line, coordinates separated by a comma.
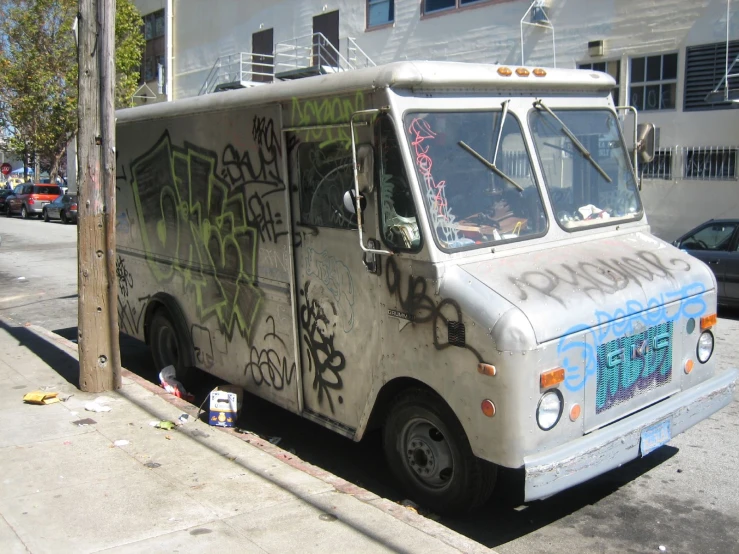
[(584, 151), (491, 166)]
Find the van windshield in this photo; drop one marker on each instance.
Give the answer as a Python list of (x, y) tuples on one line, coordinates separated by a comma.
[(476, 177), (586, 167)]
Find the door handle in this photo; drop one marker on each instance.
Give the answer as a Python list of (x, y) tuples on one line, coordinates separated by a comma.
[(714, 262)]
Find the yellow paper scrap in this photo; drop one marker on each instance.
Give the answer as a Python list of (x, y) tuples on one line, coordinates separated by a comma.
[(40, 397)]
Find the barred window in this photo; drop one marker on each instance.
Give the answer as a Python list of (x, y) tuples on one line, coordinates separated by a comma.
[(660, 167), (710, 163)]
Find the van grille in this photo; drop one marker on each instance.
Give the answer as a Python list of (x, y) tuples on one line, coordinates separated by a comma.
[(631, 366)]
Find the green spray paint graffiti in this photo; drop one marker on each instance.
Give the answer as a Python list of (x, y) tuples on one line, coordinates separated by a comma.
[(328, 111), (193, 224)]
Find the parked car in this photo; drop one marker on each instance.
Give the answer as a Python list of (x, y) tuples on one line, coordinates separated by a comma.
[(64, 208), (31, 199), (716, 242), (4, 193)]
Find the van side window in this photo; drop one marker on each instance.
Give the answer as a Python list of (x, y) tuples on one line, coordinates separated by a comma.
[(399, 221), (326, 173)]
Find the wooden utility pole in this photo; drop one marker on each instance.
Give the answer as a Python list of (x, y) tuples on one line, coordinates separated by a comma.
[(99, 353)]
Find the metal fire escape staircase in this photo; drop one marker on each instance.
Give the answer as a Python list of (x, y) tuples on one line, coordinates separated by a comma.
[(727, 89), (300, 57)]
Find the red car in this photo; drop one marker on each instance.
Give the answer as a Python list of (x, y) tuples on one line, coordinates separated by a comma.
[(29, 199)]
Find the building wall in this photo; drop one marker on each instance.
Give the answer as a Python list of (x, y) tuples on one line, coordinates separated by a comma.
[(491, 32)]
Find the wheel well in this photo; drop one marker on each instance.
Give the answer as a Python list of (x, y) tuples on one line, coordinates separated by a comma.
[(388, 393), (168, 304)]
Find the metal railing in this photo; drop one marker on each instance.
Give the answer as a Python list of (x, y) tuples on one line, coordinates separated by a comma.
[(312, 53), (242, 67)]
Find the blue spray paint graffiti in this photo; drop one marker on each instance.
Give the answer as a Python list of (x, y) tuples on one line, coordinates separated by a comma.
[(578, 348)]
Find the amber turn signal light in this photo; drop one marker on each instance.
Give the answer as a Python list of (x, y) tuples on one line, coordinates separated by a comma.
[(689, 366), (487, 369), (552, 377), (505, 71), (708, 321), (488, 408)]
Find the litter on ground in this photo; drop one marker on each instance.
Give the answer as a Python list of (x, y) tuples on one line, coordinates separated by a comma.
[(41, 397)]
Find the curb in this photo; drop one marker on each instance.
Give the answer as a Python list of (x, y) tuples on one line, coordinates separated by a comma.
[(403, 514)]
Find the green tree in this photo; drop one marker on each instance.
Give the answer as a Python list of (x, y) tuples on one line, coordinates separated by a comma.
[(38, 73)]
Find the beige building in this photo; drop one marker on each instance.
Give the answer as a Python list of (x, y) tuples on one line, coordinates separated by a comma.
[(669, 57)]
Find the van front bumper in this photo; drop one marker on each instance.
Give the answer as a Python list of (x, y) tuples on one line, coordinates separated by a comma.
[(560, 468)]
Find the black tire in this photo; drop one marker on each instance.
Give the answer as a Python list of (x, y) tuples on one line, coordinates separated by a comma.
[(63, 217), (24, 212), (8, 213), (429, 454), (46, 215), (167, 346)]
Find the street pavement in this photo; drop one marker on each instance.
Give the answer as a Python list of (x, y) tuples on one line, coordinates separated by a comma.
[(684, 496), (74, 480)]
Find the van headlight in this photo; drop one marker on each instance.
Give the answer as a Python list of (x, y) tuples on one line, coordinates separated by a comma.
[(705, 347), (549, 410)]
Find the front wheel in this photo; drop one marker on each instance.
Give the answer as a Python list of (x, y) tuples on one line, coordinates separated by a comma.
[(46, 215), (429, 454), (63, 217)]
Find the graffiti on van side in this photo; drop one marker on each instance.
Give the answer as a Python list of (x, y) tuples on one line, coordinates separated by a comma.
[(130, 314), (325, 361), (336, 278), (577, 350), (260, 165), (270, 366), (414, 301), (195, 225), (599, 277), (327, 111), (442, 218), (125, 279), (122, 223), (260, 216)]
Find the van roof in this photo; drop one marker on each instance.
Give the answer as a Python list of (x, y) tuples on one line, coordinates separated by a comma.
[(413, 75)]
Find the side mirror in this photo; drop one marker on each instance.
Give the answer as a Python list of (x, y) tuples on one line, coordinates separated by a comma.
[(350, 202), (365, 167), (646, 143)]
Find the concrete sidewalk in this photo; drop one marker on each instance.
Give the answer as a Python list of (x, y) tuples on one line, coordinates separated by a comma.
[(65, 487)]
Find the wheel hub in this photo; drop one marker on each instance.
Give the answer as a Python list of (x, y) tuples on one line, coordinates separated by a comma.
[(428, 454)]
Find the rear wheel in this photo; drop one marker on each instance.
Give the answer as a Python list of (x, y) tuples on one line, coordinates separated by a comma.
[(429, 454), (24, 212), (167, 347), (63, 217), (8, 213)]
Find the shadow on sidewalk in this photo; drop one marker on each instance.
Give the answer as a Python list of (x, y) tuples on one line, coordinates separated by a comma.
[(56, 358)]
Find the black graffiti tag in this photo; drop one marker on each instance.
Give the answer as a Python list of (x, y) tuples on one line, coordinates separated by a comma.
[(269, 367), (125, 279), (323, 358), (599, 277)]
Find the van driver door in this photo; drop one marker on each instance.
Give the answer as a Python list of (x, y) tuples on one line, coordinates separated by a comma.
[(337, 297)]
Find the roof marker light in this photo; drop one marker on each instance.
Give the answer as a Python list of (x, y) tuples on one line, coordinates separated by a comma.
[(505, 71), (522, 72), (539, 72)]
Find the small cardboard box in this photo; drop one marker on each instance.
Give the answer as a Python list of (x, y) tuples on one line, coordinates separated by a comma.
[(225, 402)]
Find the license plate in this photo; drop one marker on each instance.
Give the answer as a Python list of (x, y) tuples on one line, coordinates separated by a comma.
[(654, 436)]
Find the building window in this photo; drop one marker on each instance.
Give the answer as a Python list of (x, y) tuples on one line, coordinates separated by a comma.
[(710, 163), (654, 82), (705, 68), (435, 6), (660, 167), (613, 68), (154, 49), (380, 12)]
